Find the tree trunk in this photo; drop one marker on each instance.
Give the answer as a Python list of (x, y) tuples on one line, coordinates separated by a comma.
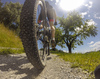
[(69, 48)]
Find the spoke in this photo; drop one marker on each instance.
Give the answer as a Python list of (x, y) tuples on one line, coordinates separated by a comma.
[(40, 37)]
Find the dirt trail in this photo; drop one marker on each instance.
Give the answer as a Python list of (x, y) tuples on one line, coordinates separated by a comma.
[(18, 67)]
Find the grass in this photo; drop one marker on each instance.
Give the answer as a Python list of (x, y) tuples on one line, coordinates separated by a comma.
[(11, 51), (87, 61), (8, 38)]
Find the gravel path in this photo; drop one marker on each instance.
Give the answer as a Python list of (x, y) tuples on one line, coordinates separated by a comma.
[(18, 67)]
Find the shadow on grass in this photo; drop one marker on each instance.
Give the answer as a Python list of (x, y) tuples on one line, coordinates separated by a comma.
[(20, 64)]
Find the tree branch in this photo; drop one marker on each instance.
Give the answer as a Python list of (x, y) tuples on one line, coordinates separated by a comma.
[(75, 38)]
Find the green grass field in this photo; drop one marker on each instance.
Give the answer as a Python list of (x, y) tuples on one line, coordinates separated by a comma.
[(87, 61), (9, 39)]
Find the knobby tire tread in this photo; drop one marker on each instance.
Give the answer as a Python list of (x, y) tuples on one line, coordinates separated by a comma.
[(28, 32)]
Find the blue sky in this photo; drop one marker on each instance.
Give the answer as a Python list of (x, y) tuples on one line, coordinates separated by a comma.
[(90, 10)]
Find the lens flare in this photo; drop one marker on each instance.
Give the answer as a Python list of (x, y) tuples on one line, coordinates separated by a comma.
[(69, 5)]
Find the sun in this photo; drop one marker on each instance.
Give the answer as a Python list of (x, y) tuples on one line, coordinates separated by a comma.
[(70, 5)]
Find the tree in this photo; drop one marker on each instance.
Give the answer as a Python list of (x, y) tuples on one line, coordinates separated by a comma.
[(10, 15), (58, 37), (1, 5), (75, 29)]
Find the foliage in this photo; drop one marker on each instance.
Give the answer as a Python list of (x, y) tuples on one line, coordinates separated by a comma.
[(1, 5), (10, 15), (75, 29), (87, 61), (58, 37)]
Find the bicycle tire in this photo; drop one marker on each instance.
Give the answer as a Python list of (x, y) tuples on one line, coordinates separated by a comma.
[(28, 32)]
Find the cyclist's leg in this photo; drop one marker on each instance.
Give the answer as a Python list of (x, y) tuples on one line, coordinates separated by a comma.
[(52, 34), (50, 14), (52, 30)]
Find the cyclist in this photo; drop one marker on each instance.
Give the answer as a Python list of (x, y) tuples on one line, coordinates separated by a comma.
[(51, 14)]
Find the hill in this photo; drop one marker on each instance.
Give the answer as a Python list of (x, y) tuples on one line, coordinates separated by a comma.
[(9, 40)]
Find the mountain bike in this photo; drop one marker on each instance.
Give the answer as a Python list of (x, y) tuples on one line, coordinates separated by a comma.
[(36, 42)]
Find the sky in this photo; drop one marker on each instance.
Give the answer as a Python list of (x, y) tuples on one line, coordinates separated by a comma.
[(89, 10)]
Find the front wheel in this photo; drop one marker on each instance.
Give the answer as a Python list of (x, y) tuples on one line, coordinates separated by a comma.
[(32, 37)]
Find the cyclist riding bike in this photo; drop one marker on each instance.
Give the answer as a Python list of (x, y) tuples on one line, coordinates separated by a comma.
[(51, 14), (37, 31)]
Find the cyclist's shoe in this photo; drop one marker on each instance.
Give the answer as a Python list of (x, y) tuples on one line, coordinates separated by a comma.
[(53, 43), (46, 39), (55, 23)]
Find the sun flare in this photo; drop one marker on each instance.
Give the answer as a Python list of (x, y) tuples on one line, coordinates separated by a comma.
[(69, 5)]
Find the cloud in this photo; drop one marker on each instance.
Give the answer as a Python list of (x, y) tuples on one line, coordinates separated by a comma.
[(57, 2), (96, 46), (83, 14), (89, 5), (96, 16), (77, 29), (65, 51), (88, 15), (91, 42), (90, 22), (76, 51)]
